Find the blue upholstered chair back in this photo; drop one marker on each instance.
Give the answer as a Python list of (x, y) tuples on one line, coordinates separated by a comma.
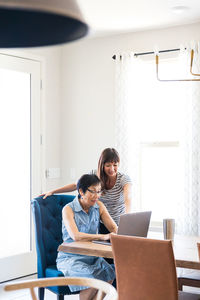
[(47, 214), (48, 227)]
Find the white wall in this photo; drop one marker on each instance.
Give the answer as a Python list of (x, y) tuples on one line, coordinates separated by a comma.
[(87, 107), (87, 110)]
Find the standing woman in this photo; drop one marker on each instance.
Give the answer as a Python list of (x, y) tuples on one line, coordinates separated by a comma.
[(116, 186)]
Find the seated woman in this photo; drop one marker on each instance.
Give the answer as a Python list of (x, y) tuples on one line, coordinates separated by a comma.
[(81, 219)]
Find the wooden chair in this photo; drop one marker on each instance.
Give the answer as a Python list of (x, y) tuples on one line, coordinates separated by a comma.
[(190, 279), (102, 286), (145, 269)]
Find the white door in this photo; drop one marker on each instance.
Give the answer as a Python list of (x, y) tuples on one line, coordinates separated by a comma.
[(19, 163)]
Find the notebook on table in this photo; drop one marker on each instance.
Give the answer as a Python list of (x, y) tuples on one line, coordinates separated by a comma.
[(133, 224)]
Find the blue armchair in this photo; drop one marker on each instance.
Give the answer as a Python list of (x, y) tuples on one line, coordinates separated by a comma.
[(47, 215)]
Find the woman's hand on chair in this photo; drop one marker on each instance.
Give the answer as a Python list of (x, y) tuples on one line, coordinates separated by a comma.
[(45, 195)]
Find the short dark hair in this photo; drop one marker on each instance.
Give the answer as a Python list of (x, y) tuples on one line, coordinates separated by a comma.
[(86, 181)]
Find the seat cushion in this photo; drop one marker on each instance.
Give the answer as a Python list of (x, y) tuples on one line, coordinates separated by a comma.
[(52, 271), (188, 296)]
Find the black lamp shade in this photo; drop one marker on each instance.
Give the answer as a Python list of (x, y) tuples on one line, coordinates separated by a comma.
[(32, 26)]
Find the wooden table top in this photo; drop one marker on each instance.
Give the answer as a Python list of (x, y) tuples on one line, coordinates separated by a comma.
[(185, 250)]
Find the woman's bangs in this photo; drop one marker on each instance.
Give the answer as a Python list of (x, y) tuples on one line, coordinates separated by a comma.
[(112, 158)]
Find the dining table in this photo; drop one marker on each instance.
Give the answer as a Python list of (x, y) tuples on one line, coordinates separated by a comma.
[(185, 249)]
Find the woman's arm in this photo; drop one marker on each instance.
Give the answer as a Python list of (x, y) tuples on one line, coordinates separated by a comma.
[(106, 218), (75, 234), (127, 196), (65, 189)]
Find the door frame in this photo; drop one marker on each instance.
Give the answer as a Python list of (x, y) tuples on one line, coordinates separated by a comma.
[(37, 170)]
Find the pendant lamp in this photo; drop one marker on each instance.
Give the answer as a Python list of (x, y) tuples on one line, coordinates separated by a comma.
[(34, 23)]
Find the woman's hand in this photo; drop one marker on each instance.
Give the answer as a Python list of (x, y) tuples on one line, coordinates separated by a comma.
[(47, 195), (105, 237), (65, 189)]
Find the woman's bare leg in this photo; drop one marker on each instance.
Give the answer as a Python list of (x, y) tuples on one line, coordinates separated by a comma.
[(90, 294), (87, 294), (95, 296)]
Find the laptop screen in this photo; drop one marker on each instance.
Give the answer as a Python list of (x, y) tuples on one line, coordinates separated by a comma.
[(135, 224)]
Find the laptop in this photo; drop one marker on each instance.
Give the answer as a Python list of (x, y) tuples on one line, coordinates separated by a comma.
[(132, 224)]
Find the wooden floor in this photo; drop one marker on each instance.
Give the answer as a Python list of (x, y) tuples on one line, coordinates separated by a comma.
[(24, 294)]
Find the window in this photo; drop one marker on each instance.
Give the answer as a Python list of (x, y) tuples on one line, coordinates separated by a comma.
[(154, 124), (160, 179), (158, 118), (157, 135)]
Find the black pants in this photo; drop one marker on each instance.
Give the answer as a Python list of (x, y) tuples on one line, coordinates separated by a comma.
[(103, 229)]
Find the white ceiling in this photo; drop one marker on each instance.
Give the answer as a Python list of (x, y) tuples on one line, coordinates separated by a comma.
[(107, 17)]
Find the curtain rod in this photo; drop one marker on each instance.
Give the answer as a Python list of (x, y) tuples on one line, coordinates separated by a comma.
[(147, 53)]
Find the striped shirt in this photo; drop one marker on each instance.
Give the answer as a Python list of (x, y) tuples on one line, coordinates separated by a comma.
[(113, 198)]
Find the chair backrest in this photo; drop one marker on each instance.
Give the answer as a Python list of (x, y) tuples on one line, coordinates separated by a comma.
[(198, 248), (145, 268), (101, 286), (47, 215)]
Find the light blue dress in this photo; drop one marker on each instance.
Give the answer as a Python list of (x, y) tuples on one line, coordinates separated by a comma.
[(75, 265)]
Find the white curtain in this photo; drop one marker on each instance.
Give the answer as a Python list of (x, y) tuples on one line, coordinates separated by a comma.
[(123, 94), (126, 74), (189, 218), (130, 76)]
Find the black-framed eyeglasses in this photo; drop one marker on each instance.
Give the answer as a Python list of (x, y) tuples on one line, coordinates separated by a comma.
[(94, 192)]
